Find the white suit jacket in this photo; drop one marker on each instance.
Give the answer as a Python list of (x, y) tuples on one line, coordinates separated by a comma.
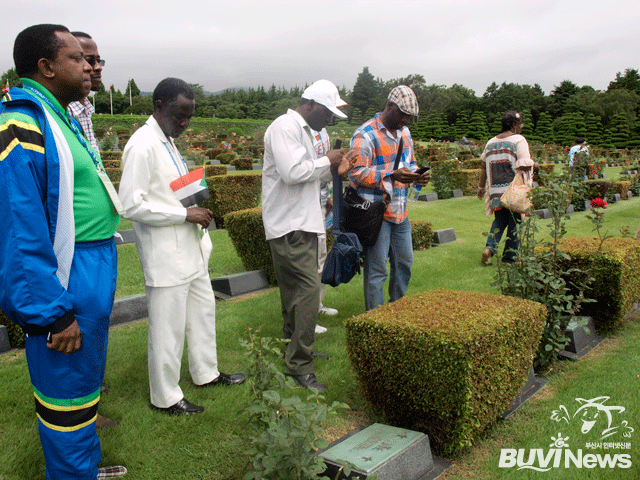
[(171, 250)]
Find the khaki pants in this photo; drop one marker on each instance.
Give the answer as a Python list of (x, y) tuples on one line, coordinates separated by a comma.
[(295, 260)]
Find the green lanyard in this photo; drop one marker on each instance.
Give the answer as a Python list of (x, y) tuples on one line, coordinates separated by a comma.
[(70, 124)]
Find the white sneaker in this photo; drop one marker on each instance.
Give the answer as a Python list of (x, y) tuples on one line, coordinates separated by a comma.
[(332, 312), (320, 329)]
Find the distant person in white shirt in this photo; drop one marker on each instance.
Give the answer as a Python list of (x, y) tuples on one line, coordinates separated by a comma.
[(292, 218), (578, 147)]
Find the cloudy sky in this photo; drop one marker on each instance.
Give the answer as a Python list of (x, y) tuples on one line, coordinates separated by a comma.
[(222, 44)]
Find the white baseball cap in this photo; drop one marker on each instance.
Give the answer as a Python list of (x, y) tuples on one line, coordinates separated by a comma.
[(326, 94)]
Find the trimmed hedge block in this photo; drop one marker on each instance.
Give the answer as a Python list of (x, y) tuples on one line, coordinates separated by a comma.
[(421, 235), (109, 155), (616, 286), (246, 232), (230, 193), (466, 180), (444, 362)]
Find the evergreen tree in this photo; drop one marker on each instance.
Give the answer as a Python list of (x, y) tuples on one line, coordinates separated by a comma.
[(619, 131), (496, 127), (12, 77), (365, 92), (544, 128), (527, 124), (478, 126), (370, 113), (594, 129), (356, 117), (435, 126), (634, 136)]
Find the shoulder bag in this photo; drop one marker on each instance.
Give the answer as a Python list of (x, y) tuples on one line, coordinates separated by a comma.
[(362, 217)]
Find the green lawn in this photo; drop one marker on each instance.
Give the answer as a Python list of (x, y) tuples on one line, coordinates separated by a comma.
[(210, 446)]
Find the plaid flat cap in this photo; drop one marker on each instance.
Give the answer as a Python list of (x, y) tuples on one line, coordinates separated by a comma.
[(406, 100)]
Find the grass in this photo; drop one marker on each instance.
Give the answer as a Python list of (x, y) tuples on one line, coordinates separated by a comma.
[(210, 446)]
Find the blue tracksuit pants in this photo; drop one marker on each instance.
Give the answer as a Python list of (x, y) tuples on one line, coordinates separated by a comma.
[(67, 387)]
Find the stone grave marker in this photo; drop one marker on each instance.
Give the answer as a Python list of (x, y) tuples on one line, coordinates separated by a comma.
[(531, 387), (570, 208), (239, 284), (129, 309), (446, 235), (543, 213), (581, 341), (458, 193), (389, 453), (5, 346)]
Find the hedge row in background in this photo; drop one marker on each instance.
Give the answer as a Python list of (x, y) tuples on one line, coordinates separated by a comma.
[(444, 362), (16, 336), (616, 285), (246, 231)]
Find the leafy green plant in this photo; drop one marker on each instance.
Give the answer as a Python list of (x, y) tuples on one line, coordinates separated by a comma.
[(285, 430), (539, 273), (108, 140), (442, 179)]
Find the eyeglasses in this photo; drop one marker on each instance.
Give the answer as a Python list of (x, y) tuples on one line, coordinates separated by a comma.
[(91, 60)]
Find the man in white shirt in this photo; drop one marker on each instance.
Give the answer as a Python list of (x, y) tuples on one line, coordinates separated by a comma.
[(578, 147), (292, 218), (174, 249)]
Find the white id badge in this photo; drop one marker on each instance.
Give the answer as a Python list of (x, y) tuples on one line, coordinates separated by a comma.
[(113, 195)]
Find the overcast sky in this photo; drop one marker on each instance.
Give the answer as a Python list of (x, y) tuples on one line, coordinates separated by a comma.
[(222, 44)]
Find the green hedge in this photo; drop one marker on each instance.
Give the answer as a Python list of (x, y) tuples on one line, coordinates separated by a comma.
[(246, 232), (109, 155), (617, 284), (16, 336), (242, 163), (230, 193), (444, 362), (466, 180), (622, 187), (421, 235), (114, 174)]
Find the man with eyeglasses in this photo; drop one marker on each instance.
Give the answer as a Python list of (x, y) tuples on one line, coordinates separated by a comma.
[(83, 109)]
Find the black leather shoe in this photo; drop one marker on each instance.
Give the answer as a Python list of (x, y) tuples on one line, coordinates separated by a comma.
[(309, 381), (225, 379), (183, 407)]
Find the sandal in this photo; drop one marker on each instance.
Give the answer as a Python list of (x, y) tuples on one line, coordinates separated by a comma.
[(486, 256)]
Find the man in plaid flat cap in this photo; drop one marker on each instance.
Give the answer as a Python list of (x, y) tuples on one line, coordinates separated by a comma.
[(376, 144)]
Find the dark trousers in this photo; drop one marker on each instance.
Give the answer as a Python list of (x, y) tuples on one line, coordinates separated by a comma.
[(295, 260), (505, 219)]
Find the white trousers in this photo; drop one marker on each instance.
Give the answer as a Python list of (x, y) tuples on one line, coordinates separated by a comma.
[(173, 311)]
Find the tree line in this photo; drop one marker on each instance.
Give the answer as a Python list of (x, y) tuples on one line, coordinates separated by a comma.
[(606, 118)]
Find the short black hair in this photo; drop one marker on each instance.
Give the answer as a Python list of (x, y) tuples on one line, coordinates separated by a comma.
[(169, 89), (580, 140), (510, 119), (34, 43), (81, 34)]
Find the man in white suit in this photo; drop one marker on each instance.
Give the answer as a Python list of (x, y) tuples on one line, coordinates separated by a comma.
[(174, 249)]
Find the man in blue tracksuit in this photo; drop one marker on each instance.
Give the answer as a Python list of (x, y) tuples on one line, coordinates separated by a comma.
[(57, 255)]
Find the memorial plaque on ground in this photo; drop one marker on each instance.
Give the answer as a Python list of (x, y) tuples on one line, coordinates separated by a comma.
[(390, 453), (446, 235)]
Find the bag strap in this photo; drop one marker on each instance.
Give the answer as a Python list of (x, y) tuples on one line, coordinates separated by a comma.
[(337, 201), (399, 154)]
